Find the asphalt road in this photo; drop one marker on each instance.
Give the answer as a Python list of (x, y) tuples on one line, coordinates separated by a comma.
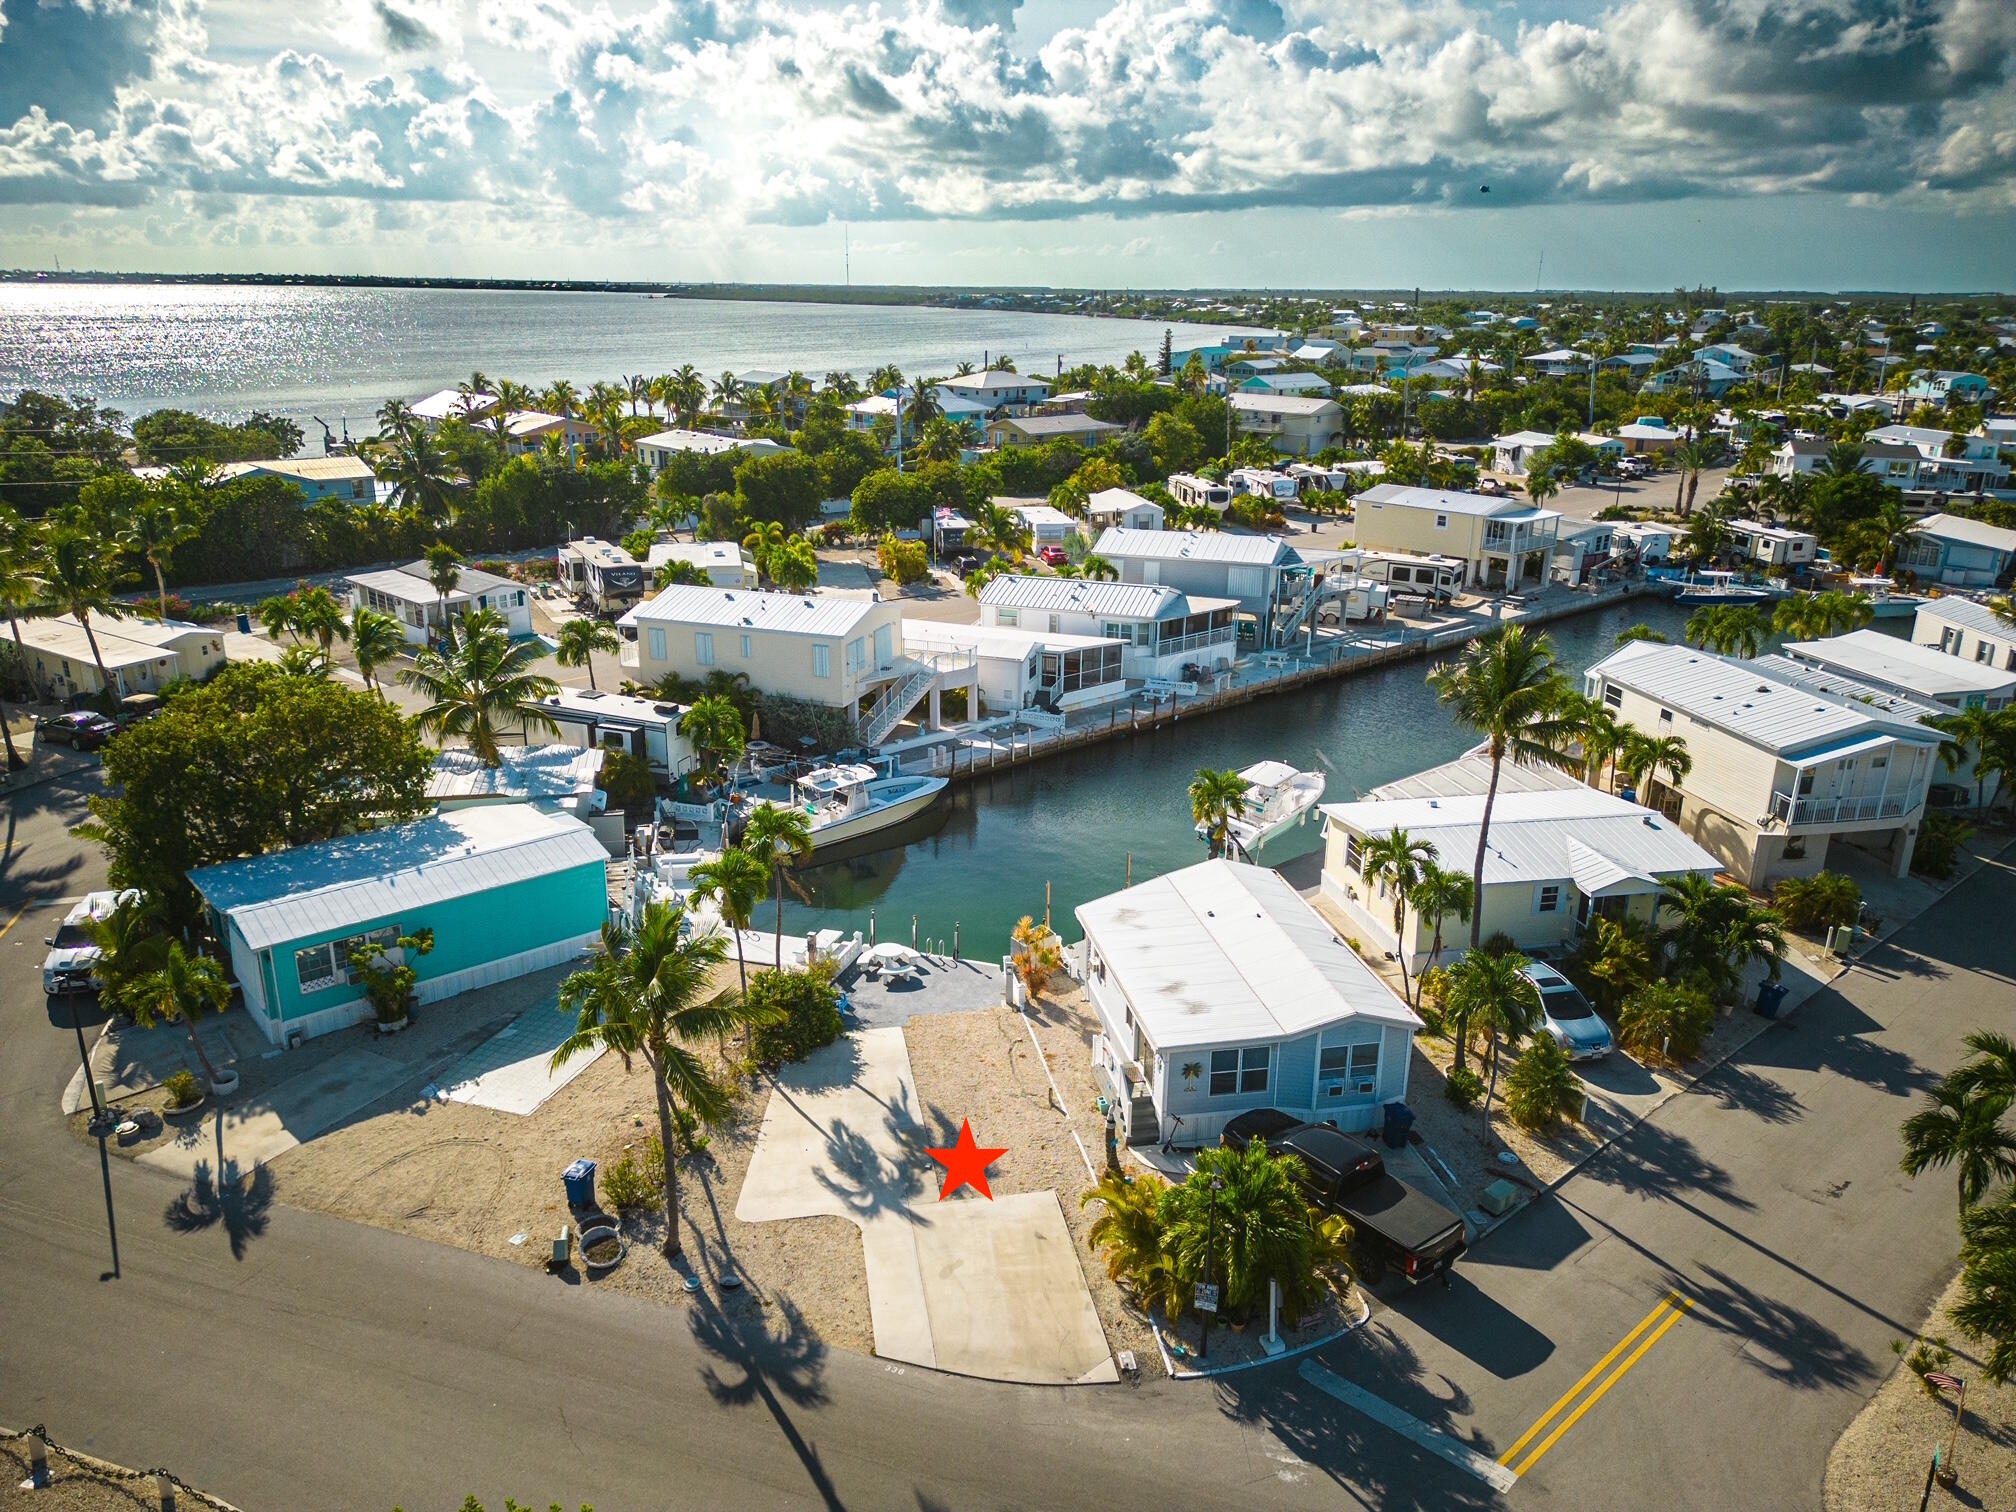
[(287, 1360)]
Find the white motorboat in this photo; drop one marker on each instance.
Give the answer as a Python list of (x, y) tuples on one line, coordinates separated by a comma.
[(1719, 587), (1886, 601), (1277, 798), (847, 803)]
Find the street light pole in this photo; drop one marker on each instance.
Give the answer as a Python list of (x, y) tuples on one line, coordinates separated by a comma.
[(100, 1127)]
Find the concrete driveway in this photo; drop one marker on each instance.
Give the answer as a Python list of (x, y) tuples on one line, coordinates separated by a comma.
[(979, 1288)]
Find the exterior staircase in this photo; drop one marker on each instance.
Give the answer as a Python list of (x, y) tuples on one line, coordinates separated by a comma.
[(1143, 1127), (913, 681)]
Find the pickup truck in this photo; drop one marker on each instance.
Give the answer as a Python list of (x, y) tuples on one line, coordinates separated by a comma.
[(1397, 1228)]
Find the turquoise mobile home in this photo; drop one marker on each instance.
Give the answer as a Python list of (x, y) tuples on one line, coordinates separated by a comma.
[(506, 889)]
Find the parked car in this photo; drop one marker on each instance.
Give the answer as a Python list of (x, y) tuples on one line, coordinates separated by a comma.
[(84, 730), (72, 962), (1397, 1228), (1634, 467), (1055, 556), (1570, 1020)]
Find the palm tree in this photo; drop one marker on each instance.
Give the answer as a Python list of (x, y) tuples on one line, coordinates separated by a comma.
[(375, 639), (1843, 459), (736, 880), (941, 441), (647, 995), (1728, 629), (1715, 929), (763, 538), (1986, 1308), (1644, 757), (22, 592), (476, 687), (1992, 1072), (689, 393), (1216, 799), (1493, 991), (305, 661), (1974, 729), (1689, 458), (318, 614), (444, 571), (713, 726), (419, 475), (78, 578), (1505, 687), (1130, 1232), (580, 639), (1896, 527), (1963, 1128), (1600, 738), (727, 390), (151, 533), (1438, 894), (1640, 633), (561, 398), (778, 835), (177, 991), (1394, 860)]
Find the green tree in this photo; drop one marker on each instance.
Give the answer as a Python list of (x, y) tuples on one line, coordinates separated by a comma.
[(1504, 686), (713, 726), (794, 566), (1713, 930), (180, 990), (1542, 1088), (889, 500), (1129, 1235), (580, 639), (151, 532), (1987, 734), (1812, 905), (1241, 1219), (1728, 629), (1645, 757), (251, 761), (480, 686), (736, 881), (78, 578), (375, 639), (1395, 860), (793, 1013), (778, 835), (1216, 799), (1986, 1308), (785, 487), (1961, 1126), (648, 996), (1490, 990), (1439, 894)]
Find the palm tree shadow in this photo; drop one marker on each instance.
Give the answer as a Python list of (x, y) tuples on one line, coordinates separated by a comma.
[(781, 1368), (1789, 1345), (243, 1205)]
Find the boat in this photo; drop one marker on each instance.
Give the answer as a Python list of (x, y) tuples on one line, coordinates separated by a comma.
[(1719, 587), (1885, 602), (1277, 798), (848, 803)]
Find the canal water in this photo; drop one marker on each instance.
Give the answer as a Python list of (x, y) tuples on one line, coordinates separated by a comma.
[(1070, 822)]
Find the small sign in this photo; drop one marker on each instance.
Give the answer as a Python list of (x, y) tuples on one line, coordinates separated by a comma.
[(1206, 1297)]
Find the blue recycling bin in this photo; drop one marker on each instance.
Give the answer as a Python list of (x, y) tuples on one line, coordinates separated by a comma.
[(1770, 998), (244, 624), (1399, 1119), (579, 1179)]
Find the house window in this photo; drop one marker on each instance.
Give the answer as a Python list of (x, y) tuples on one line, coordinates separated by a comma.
[(1349, 1070), (319, 967), (703, 647), (1353, 860), (657, 643), (1985, 653), (857, 655), (1004, 617), (1548, 898), (1236, 1071), (822, 661), (1441, 522), (1666, 716), (745, 648), (1613, 696)]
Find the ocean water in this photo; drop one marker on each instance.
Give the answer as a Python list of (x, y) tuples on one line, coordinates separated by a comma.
[(226, 350)]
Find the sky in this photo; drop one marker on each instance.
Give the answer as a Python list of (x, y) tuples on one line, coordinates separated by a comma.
[(1748, 144)]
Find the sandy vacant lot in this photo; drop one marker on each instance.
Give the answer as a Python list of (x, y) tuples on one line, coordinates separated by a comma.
[(1879, 1464)]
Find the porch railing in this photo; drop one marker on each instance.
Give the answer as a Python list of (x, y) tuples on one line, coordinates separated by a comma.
[(1792, 810)]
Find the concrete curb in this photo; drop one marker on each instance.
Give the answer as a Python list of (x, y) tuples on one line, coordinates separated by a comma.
[(21, 782), (1168, 1364), (1707, 1070)]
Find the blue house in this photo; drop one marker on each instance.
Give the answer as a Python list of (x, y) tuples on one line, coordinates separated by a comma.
[(1959, 552), (506, 889), (1218, 989)]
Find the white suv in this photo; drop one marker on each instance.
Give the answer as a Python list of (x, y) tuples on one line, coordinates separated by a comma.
[(1569, 1019), (71, 964)]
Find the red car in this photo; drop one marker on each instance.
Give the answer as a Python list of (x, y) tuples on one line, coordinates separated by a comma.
[(1055, 556)]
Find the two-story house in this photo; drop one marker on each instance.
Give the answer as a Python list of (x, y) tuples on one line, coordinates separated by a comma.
[(1298, 424), (1000, 392), (1504, 543), (1778, 771)]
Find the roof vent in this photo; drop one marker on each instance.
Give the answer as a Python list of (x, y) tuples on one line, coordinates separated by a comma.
[(1651, 823)]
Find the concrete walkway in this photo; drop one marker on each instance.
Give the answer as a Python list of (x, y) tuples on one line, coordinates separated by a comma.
[(512, 1070), (989, 1289)]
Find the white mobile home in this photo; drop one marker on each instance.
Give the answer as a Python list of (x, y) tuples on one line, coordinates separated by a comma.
[(724, 564), (1162, 630), (1123, 509), (407, 594), (1026, 669)]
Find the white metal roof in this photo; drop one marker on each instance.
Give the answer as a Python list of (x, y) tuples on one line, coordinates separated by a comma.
[(1525, 438), (544, 771), (346, 884), (443, 403), (308, 469), (1903, 706), (1746, 699), (1947, 527), (578, 704), (750, 609), (1970, 614), (709, 442), (1118, 544), (1009, 641), (1117, 501), (410, 583), (1282, 404), (1131, 601), (1441, 500), (1060, 425), (1769, 532), (1902, 666), (1041, 514), (1225, 953), (698, 553), (1532, 834), (124, 642), (1470, 775)]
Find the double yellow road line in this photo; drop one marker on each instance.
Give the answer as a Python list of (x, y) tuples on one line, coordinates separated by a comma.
[(1670, 1310)]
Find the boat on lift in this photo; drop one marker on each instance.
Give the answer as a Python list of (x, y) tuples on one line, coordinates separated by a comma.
[(1277, 799), (850, 802), (1720, 587)]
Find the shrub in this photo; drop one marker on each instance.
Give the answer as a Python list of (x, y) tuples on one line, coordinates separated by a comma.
[(905, 561), (1926, 1355), (1542, 1089), (182, 1089), (627, 780), (1940, 837), (629, 1185), (800, 1012), (1037, 955), (1815, 904), (1464, 1087), (1665, 1020)]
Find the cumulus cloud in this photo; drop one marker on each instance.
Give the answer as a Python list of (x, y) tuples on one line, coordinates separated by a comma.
[(724, 114)]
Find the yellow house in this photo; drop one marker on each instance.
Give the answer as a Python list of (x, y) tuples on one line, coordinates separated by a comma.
[(141, 655), (1504, 543)]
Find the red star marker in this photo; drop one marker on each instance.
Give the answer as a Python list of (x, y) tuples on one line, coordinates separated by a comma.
[(966, 1164)]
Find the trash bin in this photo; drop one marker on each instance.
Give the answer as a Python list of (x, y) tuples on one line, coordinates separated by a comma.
[(1399, 1119), (579, 1179), (244, 624), (1770, 997)]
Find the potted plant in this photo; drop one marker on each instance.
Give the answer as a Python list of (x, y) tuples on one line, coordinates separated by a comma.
[(388, 979), (185, 1093)]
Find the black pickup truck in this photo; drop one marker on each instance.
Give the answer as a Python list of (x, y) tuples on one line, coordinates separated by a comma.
[(1397, 1227)]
